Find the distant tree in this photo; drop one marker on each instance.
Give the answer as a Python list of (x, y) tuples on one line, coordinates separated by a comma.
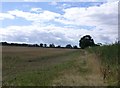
[(86, 41), (22, 44), (75, 47), (45, 45), (52, 45), (68, 46), (41, 45), (58, 46), (12, 44), (4, 43), (35, 45), (30, 45)]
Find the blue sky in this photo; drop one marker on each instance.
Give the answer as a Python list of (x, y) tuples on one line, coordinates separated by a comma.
[(26, 6), (63, 22)]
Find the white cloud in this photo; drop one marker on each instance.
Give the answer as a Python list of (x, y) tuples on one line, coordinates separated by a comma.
[(6, 16), (38, 10), (112, 0), (63, 6), (92, 16), (103, 17), (53, 34), (43, 16), (36, 34)]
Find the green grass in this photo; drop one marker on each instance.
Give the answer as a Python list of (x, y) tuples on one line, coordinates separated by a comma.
[(108, 56), (38, 78)]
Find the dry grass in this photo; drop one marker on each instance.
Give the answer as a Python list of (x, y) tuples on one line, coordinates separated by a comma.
[(30, 66), (108, 56), (31, 51), (86, 72), (22, 62)]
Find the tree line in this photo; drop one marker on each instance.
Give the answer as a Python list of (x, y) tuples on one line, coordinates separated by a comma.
[(84, 42), (38, 45)]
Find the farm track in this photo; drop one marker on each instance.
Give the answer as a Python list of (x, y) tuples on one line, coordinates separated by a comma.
[(85, 73), (23, 66)]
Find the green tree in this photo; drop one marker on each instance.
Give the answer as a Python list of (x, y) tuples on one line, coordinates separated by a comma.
[(41, 45), (86, 41), (45, 45), (52, 45), (68, 46)]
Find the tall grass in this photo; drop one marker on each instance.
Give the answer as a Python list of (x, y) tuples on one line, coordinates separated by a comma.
[(108, 56), (107, 53)]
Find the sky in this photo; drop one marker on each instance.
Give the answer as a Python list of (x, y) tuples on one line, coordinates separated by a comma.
[(60, 23)]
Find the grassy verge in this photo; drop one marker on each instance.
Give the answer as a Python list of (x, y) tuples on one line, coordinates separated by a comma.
[(108, 56)]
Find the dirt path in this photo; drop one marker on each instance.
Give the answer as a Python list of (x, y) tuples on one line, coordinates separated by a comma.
[(85, 72)]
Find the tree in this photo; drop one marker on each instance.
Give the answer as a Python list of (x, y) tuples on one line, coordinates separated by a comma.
[(86, 41), (52, 45), (68, 46), (45, 45), (41, 45), (35, 45), (75, 47), (4, 43), (58, 46)]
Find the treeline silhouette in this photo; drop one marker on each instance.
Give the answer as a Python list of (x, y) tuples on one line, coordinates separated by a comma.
[(69, 46), (84, 42)]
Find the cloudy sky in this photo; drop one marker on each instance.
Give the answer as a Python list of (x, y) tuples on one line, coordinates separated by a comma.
[(60, 23)]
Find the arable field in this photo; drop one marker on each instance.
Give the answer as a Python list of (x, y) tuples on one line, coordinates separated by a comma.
[(35, 66)]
